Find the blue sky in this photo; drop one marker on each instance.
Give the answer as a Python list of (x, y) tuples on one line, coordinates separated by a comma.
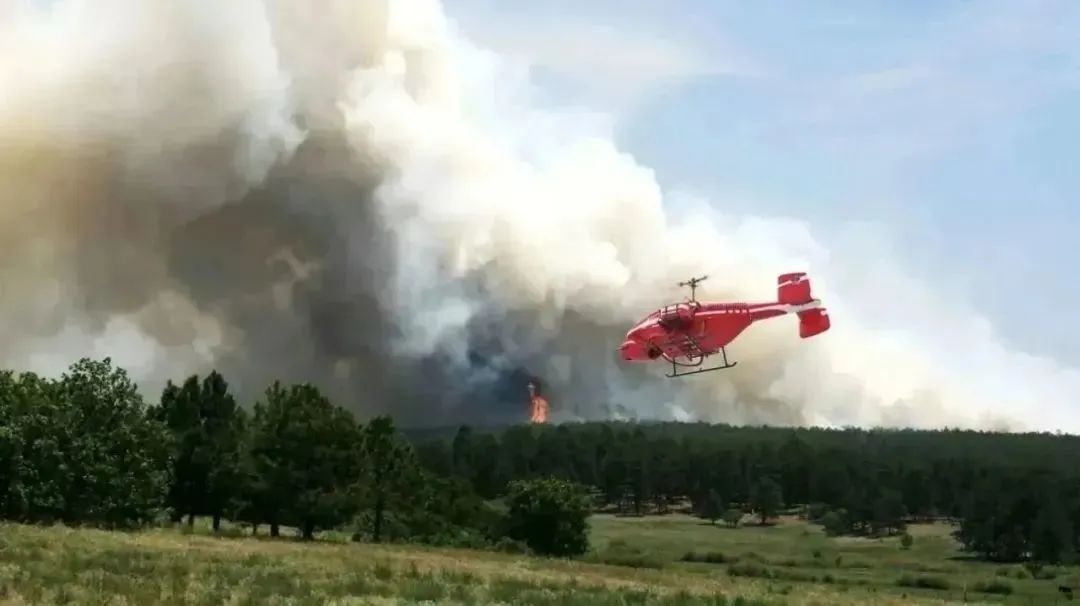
[(956, 123)]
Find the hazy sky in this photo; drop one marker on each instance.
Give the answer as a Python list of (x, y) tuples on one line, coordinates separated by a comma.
[(954, 123)]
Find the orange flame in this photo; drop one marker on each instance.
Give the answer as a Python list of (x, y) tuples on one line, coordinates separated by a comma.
[(540, 406), (539, 410)]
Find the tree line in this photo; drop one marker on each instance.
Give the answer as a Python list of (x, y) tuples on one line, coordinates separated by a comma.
[(85, 448), (1013, 497)]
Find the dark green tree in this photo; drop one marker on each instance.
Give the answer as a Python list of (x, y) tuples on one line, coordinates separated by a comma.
[(388, 467), (114, 453), (32, 468), (461, 453), (835, 523), (305, 458), (257, 499), (1051, 532), (918, 496), (475, 458), (712, 507), (207, 436), (733, 516), (486, 480), (517, 453), (225, 425), (549, 515), (889, 512), (766, 499), (180, 411)]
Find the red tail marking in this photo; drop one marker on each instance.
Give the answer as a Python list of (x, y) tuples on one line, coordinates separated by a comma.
[(813, 322), (793, 288)]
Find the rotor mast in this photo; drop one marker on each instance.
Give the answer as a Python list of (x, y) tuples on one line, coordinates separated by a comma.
[(693, 283)]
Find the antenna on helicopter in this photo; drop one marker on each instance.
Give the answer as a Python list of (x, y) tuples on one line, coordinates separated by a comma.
[(693, 283)]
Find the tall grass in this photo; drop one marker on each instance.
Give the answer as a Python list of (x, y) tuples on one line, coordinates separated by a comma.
[(58, 565)]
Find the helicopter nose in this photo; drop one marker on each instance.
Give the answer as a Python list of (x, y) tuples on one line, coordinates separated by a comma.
[(631, 350)]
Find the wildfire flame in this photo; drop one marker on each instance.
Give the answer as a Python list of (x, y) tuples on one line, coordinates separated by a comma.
[(539, 404), (539, 410)]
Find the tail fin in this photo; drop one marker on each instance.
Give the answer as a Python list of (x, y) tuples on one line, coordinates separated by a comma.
[(794, 289)]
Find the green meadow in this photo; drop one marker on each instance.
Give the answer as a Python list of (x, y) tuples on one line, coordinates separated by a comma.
[(797, 558), (671, 559)]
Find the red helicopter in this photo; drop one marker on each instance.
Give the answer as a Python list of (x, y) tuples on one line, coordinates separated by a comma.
[(687, 333)]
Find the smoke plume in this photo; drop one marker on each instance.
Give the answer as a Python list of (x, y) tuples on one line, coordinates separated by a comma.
[(351, 193)]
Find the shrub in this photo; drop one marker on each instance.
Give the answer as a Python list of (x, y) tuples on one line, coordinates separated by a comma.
[(994, 586), (708, 557), (619, 553), (924, 582), (750, 569), (834, 523), (733, 516), (816, 511), (549, 515)]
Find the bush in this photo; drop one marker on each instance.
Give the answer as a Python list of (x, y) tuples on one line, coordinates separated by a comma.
[(993, 586), (924, 582), (761, 571), (620, 553), (834, 523), (750, 569), (708, 557), (549, 515), (1040, 571), (816, 511), (733, 516), (906, 540)]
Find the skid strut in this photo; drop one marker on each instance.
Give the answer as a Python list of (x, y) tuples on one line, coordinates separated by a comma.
[(675, 366), (696, 357)]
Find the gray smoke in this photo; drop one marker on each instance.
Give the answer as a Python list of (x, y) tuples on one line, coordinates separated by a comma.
[(350, 193)]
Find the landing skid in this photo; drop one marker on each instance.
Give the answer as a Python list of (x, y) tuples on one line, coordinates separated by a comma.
[(700, 360)]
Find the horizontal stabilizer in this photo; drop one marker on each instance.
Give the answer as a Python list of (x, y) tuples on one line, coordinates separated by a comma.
[(813, 322)]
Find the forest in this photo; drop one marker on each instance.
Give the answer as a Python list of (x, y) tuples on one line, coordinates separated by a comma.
[(85, 449)]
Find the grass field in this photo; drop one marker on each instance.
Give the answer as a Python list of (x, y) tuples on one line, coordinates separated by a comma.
[(797, 555), (635, 561)]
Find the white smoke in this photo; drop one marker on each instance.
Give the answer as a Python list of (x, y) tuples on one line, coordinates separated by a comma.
[(159, 161)]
